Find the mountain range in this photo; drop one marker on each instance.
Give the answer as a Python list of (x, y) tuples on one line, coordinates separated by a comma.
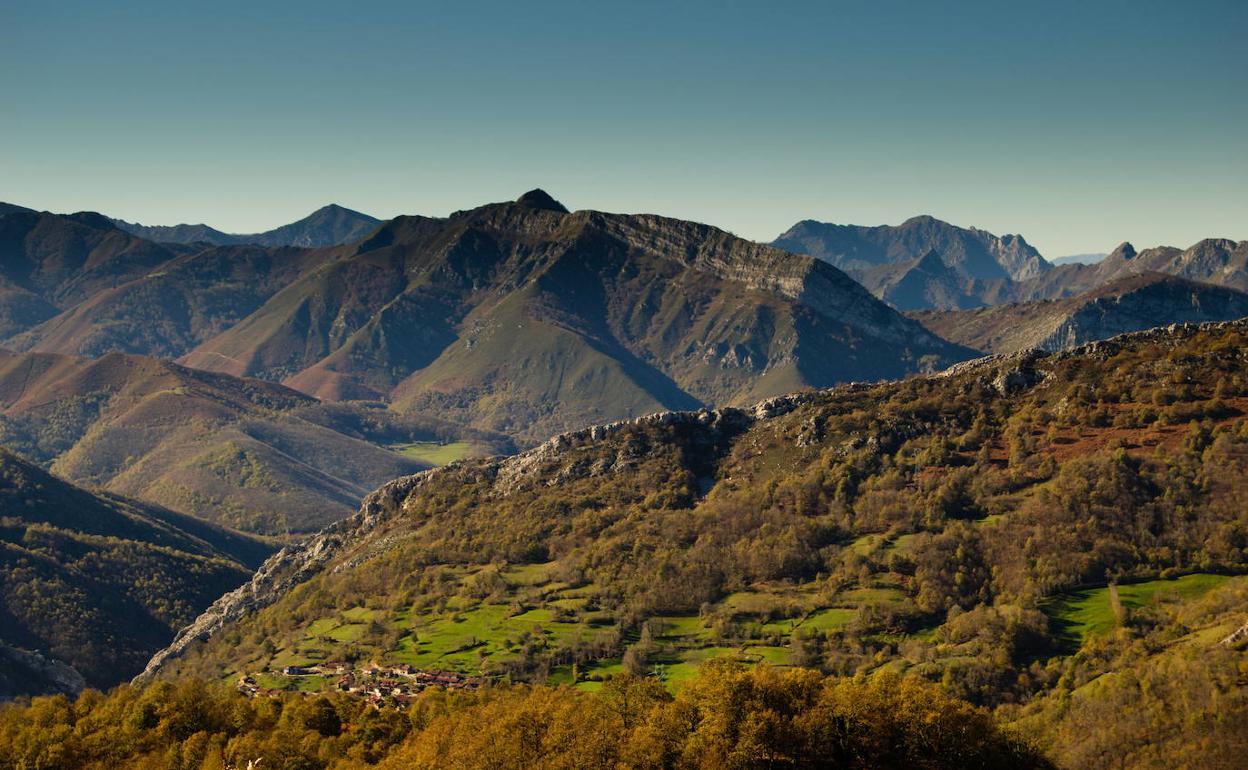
[(958, 527), (528, 319), (240, 452), (970, 252), (756, 457), (1079, 259), (927, 264), (518, 317), (1127, 304), (327, 226)]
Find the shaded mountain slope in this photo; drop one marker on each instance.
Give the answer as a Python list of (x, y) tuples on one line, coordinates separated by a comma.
[(327, 226), (50, 262), (938, 526), (98, 582), (12, 208), (926, 282), (172, 308), (226, 449), (1123, 305), (526, 318)]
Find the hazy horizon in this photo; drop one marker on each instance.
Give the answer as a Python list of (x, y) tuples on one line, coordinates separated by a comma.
[(1077, 127)]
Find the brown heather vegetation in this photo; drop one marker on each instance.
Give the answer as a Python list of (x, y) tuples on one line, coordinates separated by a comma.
[(245, 453)]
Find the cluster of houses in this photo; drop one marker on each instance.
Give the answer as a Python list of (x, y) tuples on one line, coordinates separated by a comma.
[(397, 685)]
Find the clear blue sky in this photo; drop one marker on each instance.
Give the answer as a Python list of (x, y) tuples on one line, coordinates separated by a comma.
[(1078, 124)]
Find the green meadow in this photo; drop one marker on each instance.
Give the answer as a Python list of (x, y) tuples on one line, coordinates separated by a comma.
[(438, 454), (1089, 612)]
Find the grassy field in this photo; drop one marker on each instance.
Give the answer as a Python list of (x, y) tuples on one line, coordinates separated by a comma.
[(1088, 612), (476, 635), (471, 635), (438, 454)]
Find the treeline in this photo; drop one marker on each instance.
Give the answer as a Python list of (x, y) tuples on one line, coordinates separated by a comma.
[(725, 718)]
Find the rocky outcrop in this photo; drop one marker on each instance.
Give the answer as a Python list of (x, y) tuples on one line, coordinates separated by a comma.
[(289, 567), (25, 672), (294, 564), (1129, 304), (830, 292), (1238, 635), (1170, 300)]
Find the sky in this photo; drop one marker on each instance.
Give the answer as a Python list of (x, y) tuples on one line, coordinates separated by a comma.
[(1076, 124)]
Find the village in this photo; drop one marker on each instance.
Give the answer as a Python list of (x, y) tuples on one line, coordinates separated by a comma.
[(379, 685)]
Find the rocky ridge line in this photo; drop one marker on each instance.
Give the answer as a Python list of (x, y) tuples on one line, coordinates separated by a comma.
[(296, 563)]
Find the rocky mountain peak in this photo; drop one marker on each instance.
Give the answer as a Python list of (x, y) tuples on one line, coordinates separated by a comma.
[(93, 220), (1124, 251), (538, 198)]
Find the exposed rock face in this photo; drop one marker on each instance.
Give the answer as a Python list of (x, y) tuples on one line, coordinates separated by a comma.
[(1018, 378), (288, 567), (1158, 303), (530, 320), (973, 253), (1123, 252), (294, 564), (1236, 636), (1125, 305), (23, 672), (347, 544)]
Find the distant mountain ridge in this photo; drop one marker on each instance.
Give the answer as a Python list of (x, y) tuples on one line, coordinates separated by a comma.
[(524, 318), (927, 264), (248, 454), (1079, 259), (1217, 261), (327, 226), (1128, 304), (1213, 260), (622, 315), (973, 253)]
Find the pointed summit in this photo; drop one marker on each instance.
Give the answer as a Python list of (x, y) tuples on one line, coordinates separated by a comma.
[(1124, 251), (540, 199)]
